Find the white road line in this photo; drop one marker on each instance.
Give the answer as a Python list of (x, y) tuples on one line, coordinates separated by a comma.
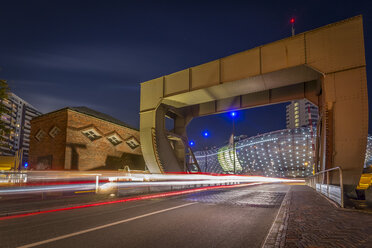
[(101, 227)]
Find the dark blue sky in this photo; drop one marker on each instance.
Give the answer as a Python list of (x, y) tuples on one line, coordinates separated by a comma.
[(95, 53)]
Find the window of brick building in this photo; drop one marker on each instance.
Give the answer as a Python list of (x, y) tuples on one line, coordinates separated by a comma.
[(114, 139), (39, 135), (92, 134), (132, 143), (54, 131)]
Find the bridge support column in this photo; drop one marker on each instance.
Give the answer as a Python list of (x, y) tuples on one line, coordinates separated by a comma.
[(345, 123), (160, 151)]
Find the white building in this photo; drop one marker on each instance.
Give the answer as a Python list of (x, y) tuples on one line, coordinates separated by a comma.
[(301, 113), (18, 121)]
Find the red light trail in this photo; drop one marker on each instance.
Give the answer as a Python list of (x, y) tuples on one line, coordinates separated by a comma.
[(138, 198)]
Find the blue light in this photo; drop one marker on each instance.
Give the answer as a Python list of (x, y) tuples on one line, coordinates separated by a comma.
[(191, 143), (205, 133), (26, 165), (233, 114)]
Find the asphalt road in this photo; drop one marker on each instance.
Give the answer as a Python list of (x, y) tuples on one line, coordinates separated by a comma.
[(239, 217)]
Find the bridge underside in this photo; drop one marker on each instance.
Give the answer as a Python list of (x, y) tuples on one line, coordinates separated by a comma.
[(325, 66)]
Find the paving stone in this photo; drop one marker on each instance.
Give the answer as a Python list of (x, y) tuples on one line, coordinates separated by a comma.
[(315, 222), (241, 198)]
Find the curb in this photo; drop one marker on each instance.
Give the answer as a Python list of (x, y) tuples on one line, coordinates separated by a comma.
[(276, 236)]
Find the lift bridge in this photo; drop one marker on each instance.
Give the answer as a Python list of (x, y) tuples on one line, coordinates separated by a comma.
[(325, 65)]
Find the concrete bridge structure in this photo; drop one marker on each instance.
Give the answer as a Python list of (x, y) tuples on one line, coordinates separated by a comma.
[(325, 65)]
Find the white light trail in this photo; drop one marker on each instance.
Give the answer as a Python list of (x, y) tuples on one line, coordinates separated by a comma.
[(108, 180)]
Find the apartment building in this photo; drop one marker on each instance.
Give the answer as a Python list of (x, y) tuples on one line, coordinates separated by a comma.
[(18, 121)]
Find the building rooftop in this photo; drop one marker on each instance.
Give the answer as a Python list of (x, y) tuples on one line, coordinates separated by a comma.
[(99, 115), (19, 99), (96, 114)]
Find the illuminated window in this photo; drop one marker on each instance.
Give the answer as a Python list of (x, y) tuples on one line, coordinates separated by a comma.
[(296, 108), (296, 112), (296, 124), (296, 104), (296, 120), (296, 116), (92, 134)]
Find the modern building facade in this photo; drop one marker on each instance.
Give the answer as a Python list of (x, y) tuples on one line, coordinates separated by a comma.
[(79, 138), (285, 153), (368, 159), (301, 113), (18, 121)]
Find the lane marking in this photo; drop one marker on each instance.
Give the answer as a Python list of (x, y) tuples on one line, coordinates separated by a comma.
[(136, 198), (82, 217), (102, 227)]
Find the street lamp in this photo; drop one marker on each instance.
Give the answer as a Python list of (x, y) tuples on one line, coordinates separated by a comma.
[(233, 114), (190, 156), (205, 135)]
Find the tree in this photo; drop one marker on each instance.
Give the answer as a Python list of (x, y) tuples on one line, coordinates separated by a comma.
[(4, 111)]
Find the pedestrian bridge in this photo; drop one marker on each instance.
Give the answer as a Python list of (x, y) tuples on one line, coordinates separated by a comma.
[(325, 65)]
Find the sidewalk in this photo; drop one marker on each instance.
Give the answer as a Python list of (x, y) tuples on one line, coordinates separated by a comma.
[(309, 220)]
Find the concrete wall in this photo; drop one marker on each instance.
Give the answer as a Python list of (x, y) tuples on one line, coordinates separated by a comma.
[(325, 65)]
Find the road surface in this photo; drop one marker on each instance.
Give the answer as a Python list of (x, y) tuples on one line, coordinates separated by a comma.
[(238, 217)]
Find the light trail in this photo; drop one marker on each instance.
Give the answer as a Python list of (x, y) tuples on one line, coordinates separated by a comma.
[(65, 181), (137, 198)]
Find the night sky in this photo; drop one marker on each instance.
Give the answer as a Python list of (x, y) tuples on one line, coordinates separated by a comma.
[(95, 53)]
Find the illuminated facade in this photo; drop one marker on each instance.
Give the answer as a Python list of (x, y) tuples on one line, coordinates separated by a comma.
[(283, 153), (368, 160), (301, 113)]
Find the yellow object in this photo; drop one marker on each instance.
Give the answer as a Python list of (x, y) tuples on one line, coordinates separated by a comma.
[(365, 181), (84, 191), (6, 163)]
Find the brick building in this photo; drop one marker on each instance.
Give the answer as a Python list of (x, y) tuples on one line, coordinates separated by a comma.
[(79, 138)]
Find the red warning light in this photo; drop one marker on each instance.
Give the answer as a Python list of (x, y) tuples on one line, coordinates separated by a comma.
[(292, 20)]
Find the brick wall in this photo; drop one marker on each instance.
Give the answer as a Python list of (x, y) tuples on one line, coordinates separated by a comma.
[(72, 150), (48, 148), (84, 154)]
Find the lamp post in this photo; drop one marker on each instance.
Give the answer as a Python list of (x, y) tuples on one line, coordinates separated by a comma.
[(189, 157), (292, 21), (233, 115), (205, 135)]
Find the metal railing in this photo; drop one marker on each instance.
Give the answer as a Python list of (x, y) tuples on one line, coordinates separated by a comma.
[(319, 178)]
